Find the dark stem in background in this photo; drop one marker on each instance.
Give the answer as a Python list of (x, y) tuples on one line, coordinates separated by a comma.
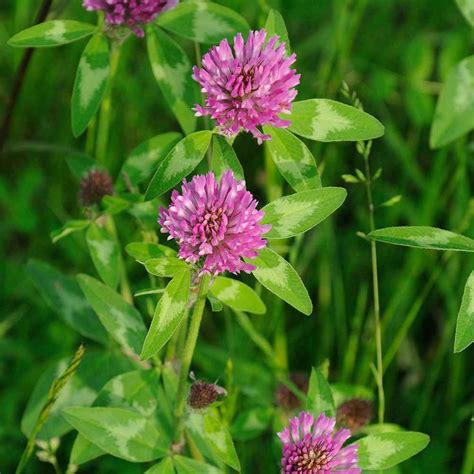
[(20, 77)]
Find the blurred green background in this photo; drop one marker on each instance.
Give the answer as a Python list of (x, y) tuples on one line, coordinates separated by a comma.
[(395, 54)]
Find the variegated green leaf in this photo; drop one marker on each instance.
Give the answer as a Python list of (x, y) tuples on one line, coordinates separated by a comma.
[(224, 158), (465, 323), (454, 115), (467, 9), (105, 254), (80, 164), (385, 450), (172, 70), (237, 295), (122, 432), (52, 33), (137, 390), (326, 120), (294, 214), (91, 81), (63, 295), (165, 266), (423, 237), (279, 277), (204, 22), (169, 312), (165, 466), (179, 162), (123, 322), (293, 159), (143, 251), (95, 370), (190, 466), (145, 157), (320, 399), (275, 25), (68, 228)]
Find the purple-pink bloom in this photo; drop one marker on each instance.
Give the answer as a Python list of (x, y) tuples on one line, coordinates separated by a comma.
[(130, 13), (313, 447), (249, 86), (215, 224)]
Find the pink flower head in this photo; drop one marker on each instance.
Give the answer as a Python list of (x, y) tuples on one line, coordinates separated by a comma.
[(249, 86), (215, 224), (131, 13), (313, 447)]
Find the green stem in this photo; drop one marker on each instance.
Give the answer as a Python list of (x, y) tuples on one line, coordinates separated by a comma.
[(375, 284), (105, 109), (188, 353)]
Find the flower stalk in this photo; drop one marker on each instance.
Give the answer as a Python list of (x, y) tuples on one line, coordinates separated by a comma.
[(188, 353)]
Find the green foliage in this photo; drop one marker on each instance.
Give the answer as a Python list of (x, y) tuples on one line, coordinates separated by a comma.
[(326, 120), (203, 22), (121, 320), (297, 213), (467, 9), (75, 225), (279, 277), (465, 322), (319, 399), (172, 71), (91, 81), (224, 158), (275, 25), (105, 254), (144, 251), (52, 33), (165, 266), (169, 313), (179, 162), (293, 159), (237, 295), (423, 237), (385, 450), (453, 117)]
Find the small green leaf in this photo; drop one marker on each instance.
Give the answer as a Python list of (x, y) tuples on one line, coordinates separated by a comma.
[(122, 432), (190, 466), (69, 228), (216, 305), (63, 296), (179, 162), (275, 25), (326, 120), (114, 205), (165, 466), (218, 436), (320, 399), (297, 213), (165, 266), (465, 323), (84, 451), (237, 295), (145, 157), (204, 22), (123, 322), (467, 9), (385, 450), (279, 277), (424, 238), (454, 117), (169, 312), (91, 81), (143, 251), (52, 33), (224, 158), (172, 71), (105, 254), (293, 159)]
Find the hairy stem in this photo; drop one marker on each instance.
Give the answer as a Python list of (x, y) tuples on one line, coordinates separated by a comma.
[(375, 284), (188, 353), (105, 110)]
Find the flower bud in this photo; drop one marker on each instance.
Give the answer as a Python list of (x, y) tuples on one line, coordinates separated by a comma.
[(94, 186), (354, 414), (203, 394)]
